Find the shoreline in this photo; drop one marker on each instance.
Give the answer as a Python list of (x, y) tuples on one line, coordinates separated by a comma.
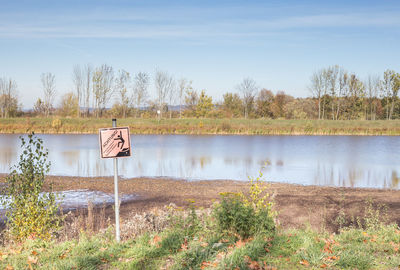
[(297, 205), (213, 134), (204, 126)]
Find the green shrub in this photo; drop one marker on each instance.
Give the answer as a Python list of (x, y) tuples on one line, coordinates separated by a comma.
[(248, 213), (30, 213), (233, 215)]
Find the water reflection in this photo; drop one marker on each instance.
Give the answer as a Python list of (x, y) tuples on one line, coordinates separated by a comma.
[(348, 161)]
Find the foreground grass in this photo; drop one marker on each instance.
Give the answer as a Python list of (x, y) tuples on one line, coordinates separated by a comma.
[(293, 249), (204, 126)]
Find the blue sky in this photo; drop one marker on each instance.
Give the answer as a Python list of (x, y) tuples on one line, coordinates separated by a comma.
[(214, 43)]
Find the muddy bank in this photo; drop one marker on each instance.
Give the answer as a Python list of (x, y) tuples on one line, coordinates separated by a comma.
[(297, 205)]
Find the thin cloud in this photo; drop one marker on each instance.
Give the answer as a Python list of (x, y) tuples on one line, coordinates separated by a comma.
[(147, 25)]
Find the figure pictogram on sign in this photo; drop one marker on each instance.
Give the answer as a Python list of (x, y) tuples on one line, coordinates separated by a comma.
[(114, 142)]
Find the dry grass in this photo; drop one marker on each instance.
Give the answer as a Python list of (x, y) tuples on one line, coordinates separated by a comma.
[(204, 126)]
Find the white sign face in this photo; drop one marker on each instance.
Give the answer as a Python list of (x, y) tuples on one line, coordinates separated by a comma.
[(115, 142)]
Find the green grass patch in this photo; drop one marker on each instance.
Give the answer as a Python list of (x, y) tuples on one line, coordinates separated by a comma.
[(352, 248)]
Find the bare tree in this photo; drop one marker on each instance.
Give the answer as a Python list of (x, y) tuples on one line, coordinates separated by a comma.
[(121, 84), (164, 83), (372, 85), (140, 92), (318, 90), (8, 97), (171, 97), (248, 88), (49, 91), (183, 87), (332, 80), (103, 79), (342, 91), (87, 73), (78, 81)]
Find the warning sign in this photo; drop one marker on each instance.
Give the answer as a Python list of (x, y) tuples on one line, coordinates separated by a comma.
[(115, 142)]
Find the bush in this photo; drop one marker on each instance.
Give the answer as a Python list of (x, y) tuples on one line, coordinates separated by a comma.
[(234, 216), (247, 214), (30, 213)]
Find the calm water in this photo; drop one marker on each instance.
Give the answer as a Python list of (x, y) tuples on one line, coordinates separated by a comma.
[(352, 161)]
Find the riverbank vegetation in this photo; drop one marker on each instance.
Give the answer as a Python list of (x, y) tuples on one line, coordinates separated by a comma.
[(335, 94), (204, 126), (175, 238), (239, 231)]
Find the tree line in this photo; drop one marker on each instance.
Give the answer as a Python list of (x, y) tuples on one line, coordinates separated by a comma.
[(101, 91)]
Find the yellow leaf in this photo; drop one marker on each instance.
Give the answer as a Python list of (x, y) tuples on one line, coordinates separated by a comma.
[(3, 256)]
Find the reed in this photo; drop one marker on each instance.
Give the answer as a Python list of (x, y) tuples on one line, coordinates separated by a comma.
[(203, 126)]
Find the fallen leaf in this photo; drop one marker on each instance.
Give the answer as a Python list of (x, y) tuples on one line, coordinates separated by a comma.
[(62, 256), (183, 247), (323, 265), (220, 255), (267, 267), (304, 262), (205, 244), (205, 265), (254, 265), (16, 251), (3, 256), (103, 249), (125, 259), (240, 243), (34, 253), (156, 239), (333, 258), (9, 267), (32, 260)]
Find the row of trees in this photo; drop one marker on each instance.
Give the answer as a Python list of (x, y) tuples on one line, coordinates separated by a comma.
[(335, 94), (343, 95)]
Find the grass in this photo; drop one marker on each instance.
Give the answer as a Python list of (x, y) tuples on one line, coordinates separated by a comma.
[(204, 126), (191, 240), (292, 249)]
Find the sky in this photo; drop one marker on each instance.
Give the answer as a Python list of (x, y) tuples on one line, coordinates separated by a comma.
[(216, 44)]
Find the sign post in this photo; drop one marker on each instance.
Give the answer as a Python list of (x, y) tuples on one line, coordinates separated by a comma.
[(115, 143), (116, 199)]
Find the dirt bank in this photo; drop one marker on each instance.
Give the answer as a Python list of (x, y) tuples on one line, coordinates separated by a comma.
[(297, 205)]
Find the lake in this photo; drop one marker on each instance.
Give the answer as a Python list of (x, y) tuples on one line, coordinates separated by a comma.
[(346, 161)]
